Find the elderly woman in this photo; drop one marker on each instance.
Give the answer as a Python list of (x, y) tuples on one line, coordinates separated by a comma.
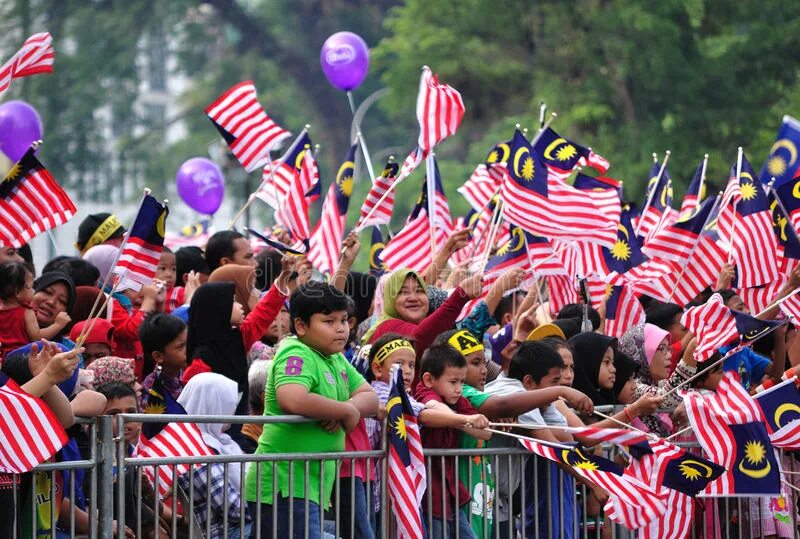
[(53, 293), (405, 309)]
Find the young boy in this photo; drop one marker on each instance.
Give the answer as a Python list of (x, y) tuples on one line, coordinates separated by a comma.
[(167, 273), (98, 342), (443, 370), (309, 376), (163, 339)]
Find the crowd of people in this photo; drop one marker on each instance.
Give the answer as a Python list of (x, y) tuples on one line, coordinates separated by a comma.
[(225, 330)]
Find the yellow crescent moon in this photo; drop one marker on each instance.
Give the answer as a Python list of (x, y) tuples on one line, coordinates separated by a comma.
[(517, 158), (346, 165), (664, 193), (624, 230), (782, 409), (745, 175), (755, 473), (298, 162), (505, 150), (473, 219), (520, 237), (160, 224), (790, 147), (796, 190), (565, 456), (708, 471), (552, 146), (373, 255)]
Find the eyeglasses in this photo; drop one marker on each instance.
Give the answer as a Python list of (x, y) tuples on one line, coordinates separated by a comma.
[(663, 348)]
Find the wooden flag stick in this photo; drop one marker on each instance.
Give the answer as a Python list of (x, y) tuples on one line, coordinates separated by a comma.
[(682, 431), (518, 437), (653, 192), (735, 204)]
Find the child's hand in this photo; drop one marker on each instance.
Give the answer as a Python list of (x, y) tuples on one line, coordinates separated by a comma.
[(62, 319), (330, 425), (577, 400), (191, 286), (350, 247), (646, 405), (62, 365), (38, 360), (477, 421)]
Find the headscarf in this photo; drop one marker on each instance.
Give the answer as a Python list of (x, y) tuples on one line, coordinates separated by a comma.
[(209, 393), (391, 289), (211, 337), (243, 278), (52, 277), (85, 297), (626, 368), (589, 350), (436, 297), (653, 337), (102, 257), (113, 369)]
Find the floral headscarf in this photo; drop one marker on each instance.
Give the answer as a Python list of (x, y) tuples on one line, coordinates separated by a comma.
[(112, 369)]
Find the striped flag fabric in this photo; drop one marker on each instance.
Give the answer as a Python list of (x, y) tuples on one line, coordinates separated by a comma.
[(375, 214), (791, 307), (745, 224), (29, 433), (712, 324), (551, 209), (612, 264), (606, 192), (562, 292), (758, 298), (480, 187), (245, 126), (693, 196), (676, 241), (730, 427), (512, 254), (142, 248), (623, 311), (675, 522), (781, 407), (406, 478), (36, 56), (544, 260), (164, 440), (559, 154), (31, 202), (659, 212), (624, 437), (326, 242), (277, 180), (596, 161), (439, 110)]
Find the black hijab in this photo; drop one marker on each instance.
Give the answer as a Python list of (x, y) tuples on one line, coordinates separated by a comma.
[(626, 368), (52, 277), (210, 336), (589, 349)]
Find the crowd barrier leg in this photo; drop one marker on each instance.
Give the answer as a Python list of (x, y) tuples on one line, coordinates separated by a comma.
[(105, 476)]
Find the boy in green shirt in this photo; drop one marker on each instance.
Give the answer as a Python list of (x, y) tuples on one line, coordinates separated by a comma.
[(309, 376)]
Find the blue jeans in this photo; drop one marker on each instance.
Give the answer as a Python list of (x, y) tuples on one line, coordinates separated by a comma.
[(299, 517), (464, 529), (357, 500)]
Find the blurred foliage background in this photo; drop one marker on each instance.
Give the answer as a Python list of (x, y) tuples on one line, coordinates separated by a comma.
[(626, 78)]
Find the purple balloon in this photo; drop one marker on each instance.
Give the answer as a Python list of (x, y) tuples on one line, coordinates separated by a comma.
[(201, 185), (345, 60), (20, 125)]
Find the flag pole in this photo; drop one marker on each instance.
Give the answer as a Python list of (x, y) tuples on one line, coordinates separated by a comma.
[(735, 204), (653, 192), (92, 313), (702, 180), (494, 226), (542, 112), (519, 437), (430, 186), (252, 196), (361, 142), (692, 250)]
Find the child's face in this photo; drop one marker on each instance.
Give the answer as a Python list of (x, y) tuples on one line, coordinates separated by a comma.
[(607, 375), (476, 370), (94, 351), (449, 385), (25, 296), (237, 314), (124, 405), (173, 358), (326, 333), (625, 395), (568, 372), (166, 270), (403, 358), (551, 379)]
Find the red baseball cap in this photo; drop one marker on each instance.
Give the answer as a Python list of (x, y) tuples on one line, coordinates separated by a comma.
[(102, 331)]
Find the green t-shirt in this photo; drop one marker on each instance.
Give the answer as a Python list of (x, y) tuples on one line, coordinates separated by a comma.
[(479, 471), (332, 377)]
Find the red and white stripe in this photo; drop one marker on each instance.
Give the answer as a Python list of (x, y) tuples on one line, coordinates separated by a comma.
[(629, 313), (293, 212), (611, 436), (791, 307), (562, 292), (675, 522), (757, 299), (382, 214), (36, 56), (607, 201), (712, 324), (439, 110), (788, 437), (653, 222), (566, 213), (36, 204), (596, 161), (710, 416), (174, 440), (671, 243), (239, 113), (139, 261), (406, 485), (326, 240), (411, 248), (481, 187), (29, 432)]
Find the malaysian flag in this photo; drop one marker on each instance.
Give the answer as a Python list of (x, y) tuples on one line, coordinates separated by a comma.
[(551, 208), (439, 110), (31, 202), (406, 481), (677, 241), (623, 311), (562, 292), (658, 213), (613, 263), (36, 56), (480, 187), (713, 325), (30, 432), (559, 154), (245, 126), (165, 440), (141, 250), (378, 206), (745, 224), (757, 299), (195, 234), (544, 260), (596, 161), (730, 427), (376, 265), (326, 242), (785, 207), (606, 192), (696, 191), (791, 307), (781, 407), (782, 163)]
